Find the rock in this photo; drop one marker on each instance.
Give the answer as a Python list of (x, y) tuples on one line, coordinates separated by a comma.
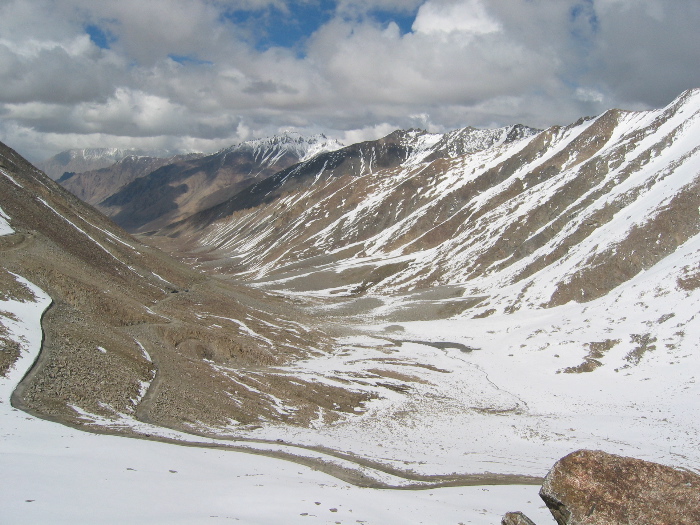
[(596, 488), (516, 518)]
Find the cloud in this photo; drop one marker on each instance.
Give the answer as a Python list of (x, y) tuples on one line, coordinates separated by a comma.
[(189, 72), (647, 50), (467, 17)]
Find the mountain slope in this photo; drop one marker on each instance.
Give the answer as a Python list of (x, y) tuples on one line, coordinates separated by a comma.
[(135, 336), (87, 159), (183, 187), (582, 208), (522, 300), (94, 186)]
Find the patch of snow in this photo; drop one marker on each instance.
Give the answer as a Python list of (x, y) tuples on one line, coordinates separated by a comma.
[(92, 475), (3, 172), (5, 228), (144, 351)]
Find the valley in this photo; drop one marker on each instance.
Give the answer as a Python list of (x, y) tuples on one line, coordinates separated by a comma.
[(449, 313)]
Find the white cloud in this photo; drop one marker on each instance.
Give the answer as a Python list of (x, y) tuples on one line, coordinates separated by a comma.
[(468, 62), (368, 133), (467, 16), (589, 95)]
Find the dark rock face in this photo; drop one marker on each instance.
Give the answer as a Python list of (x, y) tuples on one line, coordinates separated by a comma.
[(516, 518), (596, 488)]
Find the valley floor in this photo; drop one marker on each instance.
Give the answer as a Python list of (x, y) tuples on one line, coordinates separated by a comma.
[(503, 395), (513, 393), (55, 474)]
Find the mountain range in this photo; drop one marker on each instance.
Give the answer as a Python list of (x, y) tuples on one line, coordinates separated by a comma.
[(474, 304), (498, 213), (145, 193), (86, 159)]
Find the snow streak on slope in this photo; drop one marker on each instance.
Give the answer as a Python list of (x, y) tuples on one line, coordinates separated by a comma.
[(20, 315), (5, 228)]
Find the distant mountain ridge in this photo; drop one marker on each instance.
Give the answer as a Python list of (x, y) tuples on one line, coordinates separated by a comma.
[(87, 159), (268, 149), (94, 186), (144, 193), (400, 148)]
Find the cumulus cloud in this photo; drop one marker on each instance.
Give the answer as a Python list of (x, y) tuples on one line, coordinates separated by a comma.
[(198, 73), (467, 17)]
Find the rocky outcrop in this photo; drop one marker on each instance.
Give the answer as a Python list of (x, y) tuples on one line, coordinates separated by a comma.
[(596, 488)]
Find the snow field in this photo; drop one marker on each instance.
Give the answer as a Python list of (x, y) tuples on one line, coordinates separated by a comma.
[(58, 475)]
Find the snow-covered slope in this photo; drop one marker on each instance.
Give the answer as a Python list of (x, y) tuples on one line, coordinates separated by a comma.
[(56, 474), (518, 300), (523, 219)]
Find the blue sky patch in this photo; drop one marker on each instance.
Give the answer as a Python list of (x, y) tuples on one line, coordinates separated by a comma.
[(100, 37), (403, 20), (273, 27), (584, 21)]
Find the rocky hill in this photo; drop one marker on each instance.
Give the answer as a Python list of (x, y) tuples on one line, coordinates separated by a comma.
[(130, 334)]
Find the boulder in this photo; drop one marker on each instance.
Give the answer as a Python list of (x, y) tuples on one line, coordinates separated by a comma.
[(595, 488)]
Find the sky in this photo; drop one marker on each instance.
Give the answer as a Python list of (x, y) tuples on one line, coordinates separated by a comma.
[(200, 75)]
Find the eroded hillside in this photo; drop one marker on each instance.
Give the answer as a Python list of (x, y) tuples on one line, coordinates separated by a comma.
[(132, 334)]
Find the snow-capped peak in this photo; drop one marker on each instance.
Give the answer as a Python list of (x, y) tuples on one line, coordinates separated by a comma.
[(303, 147)]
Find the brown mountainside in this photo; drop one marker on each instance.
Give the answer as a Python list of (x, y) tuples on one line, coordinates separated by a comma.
[(133, 333)]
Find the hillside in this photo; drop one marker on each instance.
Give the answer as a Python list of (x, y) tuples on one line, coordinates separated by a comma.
[(129, 335), (181, 186), (530, 220)]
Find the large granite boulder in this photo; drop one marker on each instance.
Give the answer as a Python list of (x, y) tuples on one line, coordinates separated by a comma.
[(595, 488)]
